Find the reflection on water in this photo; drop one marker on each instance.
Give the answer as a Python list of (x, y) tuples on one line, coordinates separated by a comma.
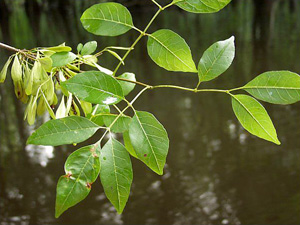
[(216, 172)]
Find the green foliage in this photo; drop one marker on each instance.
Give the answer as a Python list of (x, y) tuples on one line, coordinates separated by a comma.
[(60, 59), (150, 140), (202, 6), (82, 169), (95, 87), (170, 51), (116, 173), (88, 48), (254, 118), (216, 60), (107, 19), (277, 87), (69, 130), (80, 102)]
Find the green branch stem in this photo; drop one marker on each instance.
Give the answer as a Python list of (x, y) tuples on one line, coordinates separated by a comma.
[(142, 33)]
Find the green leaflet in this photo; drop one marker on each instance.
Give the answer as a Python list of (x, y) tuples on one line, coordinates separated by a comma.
[(69, 130), (60, 59), (116, 173), (202, 6), (60, 48), (216, 60), (3, 72), (277, 87), (89, 48), (120, 126), (254, 118), (170, 51), (107, 19), (127, 87), (95, 87), (149, 140), (82, 169), (128, 144)]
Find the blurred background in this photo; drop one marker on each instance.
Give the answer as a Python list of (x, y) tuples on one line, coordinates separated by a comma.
[(216, 172)]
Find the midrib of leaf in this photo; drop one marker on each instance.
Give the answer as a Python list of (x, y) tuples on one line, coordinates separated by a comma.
[(202, 3), (111, 21), (170, 51), (97, 89), (270, 87), (62, 132), (216, 58), (115, 170), (254, 118), (76, 181), (148, 142)]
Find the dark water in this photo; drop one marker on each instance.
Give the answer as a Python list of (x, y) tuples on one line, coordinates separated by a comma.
[(216, 172)]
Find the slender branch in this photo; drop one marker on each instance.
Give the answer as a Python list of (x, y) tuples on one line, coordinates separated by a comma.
[(134, 82), (137, 40), (10, 48), (156, 3)]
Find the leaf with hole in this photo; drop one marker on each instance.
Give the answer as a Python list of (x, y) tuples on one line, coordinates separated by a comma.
[(69, 130), (216, 60), (82, 169), (170, 51), (202, 6), (277, 87), (116, 173), (149, 140), (254, 118), (95, 87), (107, 19)]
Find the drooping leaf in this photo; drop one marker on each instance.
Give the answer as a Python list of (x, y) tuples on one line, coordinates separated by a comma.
[(79, 47), (89, 48), (82, 169), (254, 118), (60, 48), (170, 51), (116, 173), (107, 19), (16, 70), (128, 144), (120, 125), (95, 87), (216, 59), (277, 87), (127, 87), (202, 6), (3, 72), (69, 130), (46, 63), (149, 140), (60, 59)]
